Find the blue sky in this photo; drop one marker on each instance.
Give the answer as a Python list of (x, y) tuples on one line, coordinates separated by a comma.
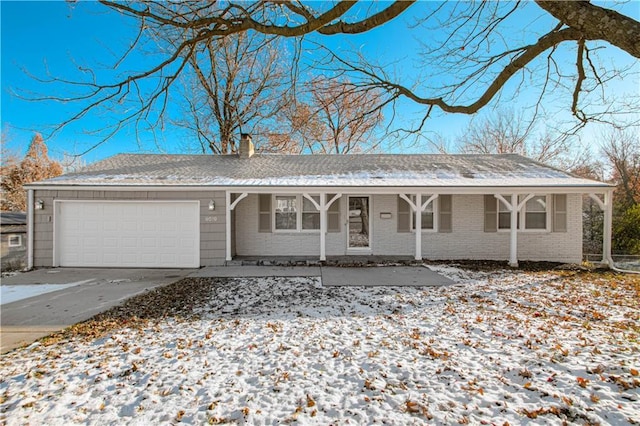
[(59, 38)]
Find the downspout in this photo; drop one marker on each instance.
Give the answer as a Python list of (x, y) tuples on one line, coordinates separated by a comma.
[(30, 220), (227, 206)]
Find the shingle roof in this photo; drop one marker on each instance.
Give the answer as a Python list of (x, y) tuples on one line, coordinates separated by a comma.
[(13, 218), (377, 170)]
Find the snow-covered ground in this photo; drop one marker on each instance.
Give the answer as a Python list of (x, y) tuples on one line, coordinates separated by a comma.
[(502, 346), (12, 293)]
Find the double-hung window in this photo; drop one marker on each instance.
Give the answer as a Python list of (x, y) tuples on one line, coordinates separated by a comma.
[(286, 212), (428, 215), (533, 215), (310, 214), (504, 215), (295, 213)]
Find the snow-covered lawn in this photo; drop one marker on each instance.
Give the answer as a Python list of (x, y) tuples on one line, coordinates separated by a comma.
[(502, 346)]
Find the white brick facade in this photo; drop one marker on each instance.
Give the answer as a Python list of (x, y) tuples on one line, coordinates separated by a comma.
[(467, 240)]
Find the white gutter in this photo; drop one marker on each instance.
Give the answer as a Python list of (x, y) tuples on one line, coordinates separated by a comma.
[(314, 189), (30, 220)]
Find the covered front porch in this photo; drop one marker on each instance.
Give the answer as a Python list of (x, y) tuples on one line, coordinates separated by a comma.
[(323, 224)]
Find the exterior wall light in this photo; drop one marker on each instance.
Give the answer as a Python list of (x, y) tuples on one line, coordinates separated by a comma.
[(212, 205), (39, 204)]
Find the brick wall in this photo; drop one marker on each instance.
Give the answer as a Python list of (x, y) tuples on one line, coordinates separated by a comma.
[(467, 241)]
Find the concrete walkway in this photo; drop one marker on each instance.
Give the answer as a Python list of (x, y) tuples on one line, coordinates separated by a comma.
[(404, 276), (256, 271), (95, 290), (336, 276)]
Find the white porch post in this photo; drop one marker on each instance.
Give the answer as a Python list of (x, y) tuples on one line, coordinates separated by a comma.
[(607, 207), (513, 232), (323, 208), (227, 205), (230, 207), (418, 222), (418, 207), (323, 226), (606, 234), (513, 241)]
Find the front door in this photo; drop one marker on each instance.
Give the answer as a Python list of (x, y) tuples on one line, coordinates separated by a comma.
[(359, 223)]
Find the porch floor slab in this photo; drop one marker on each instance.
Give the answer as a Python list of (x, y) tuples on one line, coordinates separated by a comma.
[(257, 271), (404, 276), (335, 276)]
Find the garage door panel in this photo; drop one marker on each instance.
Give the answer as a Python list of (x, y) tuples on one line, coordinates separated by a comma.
[(132, 234)]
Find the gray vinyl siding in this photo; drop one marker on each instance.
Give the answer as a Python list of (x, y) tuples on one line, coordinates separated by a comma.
[(212, 223)]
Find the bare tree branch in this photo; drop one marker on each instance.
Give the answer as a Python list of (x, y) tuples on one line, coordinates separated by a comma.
[(597, 23)]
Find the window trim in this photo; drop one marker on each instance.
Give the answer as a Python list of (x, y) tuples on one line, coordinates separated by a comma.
[(436, 213), (18, 236), (522, 215), (302, 212), (299, 210)]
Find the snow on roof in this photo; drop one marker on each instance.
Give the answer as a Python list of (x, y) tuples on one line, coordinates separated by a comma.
[(371, 170)]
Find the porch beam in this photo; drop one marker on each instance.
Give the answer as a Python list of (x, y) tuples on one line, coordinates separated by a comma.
[(426, 203), (408, 200), (524, 202), (598, 201), (331, 201), (237, 200)]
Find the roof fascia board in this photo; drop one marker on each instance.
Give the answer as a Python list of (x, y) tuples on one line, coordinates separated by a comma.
[(470, 190)]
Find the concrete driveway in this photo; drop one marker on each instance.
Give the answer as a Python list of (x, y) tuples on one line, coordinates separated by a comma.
[(94, 291), (91, 291)]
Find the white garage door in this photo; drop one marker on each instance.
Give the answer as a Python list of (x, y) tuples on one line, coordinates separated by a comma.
[(137, 234)]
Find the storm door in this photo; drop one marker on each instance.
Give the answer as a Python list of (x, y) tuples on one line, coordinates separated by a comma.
[(359, 226)]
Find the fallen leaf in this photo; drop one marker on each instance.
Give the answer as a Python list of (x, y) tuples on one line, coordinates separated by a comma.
[(310, 401)]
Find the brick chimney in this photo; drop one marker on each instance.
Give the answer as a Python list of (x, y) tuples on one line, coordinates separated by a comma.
[(246, 146)]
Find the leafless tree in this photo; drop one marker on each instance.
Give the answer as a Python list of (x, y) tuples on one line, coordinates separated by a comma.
[(622, 150), (508, 132), (336, 117), (238, 81), (479, 56)]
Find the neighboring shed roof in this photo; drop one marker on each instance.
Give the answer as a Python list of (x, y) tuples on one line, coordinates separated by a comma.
[(373, 170), (13, 218)]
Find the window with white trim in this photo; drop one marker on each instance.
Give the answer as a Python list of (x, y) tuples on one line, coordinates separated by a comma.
[(288, 216), (15, 240), (428, 215), (310, 214), (286, 212), (535, 213)]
